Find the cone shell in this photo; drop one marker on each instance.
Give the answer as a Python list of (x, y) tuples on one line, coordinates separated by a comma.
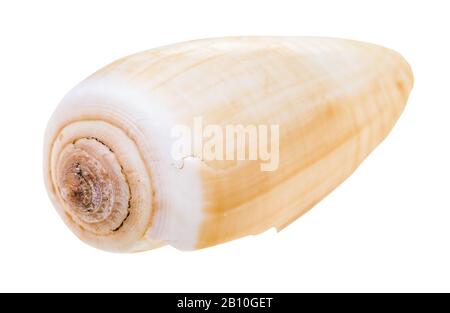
[(108, 159)]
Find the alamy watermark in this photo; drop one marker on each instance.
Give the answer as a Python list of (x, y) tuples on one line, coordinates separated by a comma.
[(228, 142)]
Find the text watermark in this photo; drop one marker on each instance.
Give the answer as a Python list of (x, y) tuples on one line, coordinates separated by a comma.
[(228, 142)]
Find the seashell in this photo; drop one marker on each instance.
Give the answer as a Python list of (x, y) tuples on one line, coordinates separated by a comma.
[(109, 161)]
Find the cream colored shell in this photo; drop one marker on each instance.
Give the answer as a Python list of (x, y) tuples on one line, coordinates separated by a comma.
[(108, 164)]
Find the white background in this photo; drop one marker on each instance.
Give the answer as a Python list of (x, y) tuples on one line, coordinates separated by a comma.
[(386, 228)]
